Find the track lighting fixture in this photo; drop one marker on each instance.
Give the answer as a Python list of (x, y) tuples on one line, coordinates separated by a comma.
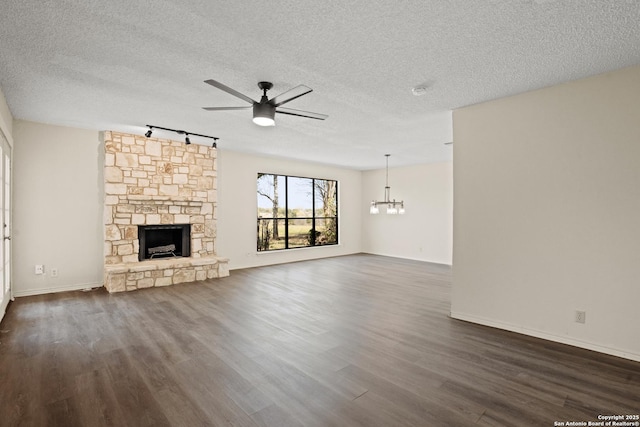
[(182, 132)]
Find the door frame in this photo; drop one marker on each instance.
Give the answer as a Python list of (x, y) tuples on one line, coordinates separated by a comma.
[(6, 194)]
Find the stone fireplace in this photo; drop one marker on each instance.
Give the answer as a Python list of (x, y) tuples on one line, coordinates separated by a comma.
[(156, 191)]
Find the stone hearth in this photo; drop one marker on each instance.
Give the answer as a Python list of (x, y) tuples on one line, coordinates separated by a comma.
[(150, 181)]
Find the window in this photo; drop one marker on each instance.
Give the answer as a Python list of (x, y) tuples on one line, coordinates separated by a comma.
[(295, 212)]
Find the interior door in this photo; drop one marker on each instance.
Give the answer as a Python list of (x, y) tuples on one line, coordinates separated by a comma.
[(5, 224)]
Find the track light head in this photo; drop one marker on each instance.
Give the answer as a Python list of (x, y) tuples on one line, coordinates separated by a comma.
[(148, 134), (187, 140), (215, 143)]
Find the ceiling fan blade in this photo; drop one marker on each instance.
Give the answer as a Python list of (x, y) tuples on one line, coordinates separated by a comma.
[(229, 90), (224, 108), (290, 95), (300, 113)]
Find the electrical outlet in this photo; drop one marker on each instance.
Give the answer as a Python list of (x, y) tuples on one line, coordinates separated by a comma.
[(54, 272), (581, 316), (39, 269)]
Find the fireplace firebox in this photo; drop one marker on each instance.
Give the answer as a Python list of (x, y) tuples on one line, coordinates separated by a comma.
[(162, 241)]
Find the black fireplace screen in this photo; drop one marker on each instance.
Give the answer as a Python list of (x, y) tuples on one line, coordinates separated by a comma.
[(162, 241)]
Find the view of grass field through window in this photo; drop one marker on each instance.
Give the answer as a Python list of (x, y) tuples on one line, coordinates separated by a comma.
[(296, 212)]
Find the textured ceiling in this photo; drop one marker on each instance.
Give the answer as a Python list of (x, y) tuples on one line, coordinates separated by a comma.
[(121, 64)]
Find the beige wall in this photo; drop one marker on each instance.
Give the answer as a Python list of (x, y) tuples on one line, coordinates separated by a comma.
[(547, 201), (58, 199), (424, 232)]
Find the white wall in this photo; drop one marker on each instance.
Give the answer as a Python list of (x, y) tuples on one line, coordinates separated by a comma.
[(424, 232), (547, 208), (237, 207), (58, 199)]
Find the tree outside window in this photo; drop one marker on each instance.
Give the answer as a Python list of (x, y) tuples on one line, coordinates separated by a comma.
[(296, 212)]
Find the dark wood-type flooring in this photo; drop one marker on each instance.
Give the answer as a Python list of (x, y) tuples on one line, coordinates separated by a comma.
[(359, 340)]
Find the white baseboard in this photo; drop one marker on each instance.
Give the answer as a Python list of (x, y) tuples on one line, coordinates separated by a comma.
[(408, 258), (51, 290), (547, 336)]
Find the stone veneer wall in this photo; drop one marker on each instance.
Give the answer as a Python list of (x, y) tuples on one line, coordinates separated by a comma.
[(151, 181)]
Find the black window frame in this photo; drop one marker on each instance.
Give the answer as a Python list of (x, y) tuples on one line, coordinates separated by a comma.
[(313, 233)]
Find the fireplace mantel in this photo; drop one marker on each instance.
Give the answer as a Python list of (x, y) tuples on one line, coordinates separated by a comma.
[(162, 200)]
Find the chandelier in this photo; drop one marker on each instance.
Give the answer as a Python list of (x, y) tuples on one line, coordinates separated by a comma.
[(393, 207)]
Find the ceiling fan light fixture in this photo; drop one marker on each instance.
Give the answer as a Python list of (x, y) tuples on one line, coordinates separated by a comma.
[(263, 114), (264, 121)]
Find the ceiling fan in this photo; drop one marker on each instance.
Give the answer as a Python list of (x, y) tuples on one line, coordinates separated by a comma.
[(265, 110)]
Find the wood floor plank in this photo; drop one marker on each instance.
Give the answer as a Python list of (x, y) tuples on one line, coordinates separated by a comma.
[(134, 398), (206, 387), (392, 399), (358, 340), (273, 415), (96, 401)]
